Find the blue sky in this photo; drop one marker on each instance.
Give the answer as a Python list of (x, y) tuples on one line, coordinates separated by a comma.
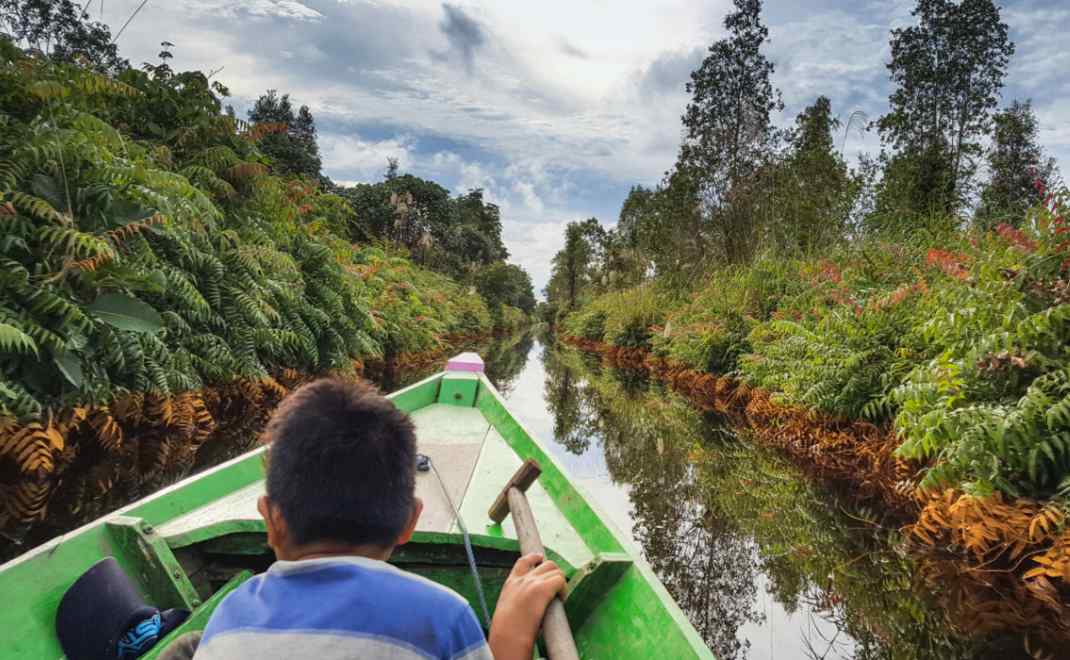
[(556, 108)]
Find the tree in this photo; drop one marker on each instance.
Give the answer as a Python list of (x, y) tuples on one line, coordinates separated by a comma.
[(570, 267), (1015, 162), (728, 133), (506, 284), (814, 193), (293, 151), (59, 29), (948, 71), (486, 218), (634, 215)]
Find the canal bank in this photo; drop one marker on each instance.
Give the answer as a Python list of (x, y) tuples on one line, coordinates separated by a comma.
[(982, 599)]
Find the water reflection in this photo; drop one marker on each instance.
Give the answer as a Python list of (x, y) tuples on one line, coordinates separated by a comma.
[(504, 359), (763, 563)]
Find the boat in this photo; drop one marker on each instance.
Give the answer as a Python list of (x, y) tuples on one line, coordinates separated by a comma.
[(189, 545)]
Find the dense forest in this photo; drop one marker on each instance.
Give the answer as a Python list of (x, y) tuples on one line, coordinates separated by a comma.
[(168, 269), (905, 317)]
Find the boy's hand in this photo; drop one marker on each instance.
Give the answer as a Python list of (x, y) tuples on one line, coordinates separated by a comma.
[(530, 587)]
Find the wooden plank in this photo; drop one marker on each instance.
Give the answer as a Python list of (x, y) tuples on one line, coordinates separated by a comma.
[(521, 480), (455, 464)]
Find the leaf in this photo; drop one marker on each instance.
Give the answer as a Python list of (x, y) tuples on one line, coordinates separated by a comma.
[(124, 212), (125, 313), (71, 368), (15, 340), (50, 190)]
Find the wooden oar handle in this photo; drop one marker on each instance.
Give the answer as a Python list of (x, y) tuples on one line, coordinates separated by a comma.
[(555, 629)]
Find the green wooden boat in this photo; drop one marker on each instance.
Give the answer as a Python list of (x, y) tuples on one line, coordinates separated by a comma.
[(189, 545)]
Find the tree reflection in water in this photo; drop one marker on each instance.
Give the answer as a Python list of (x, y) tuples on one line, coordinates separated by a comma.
[(719, 519)]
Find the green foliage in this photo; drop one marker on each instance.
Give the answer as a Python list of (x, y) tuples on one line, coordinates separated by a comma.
[(729, 134), (948, 71), (505, 284), (625, 319), (62, 30), (1016, 163), (145, 248), (292, 148), (456, 236), (962, 341)]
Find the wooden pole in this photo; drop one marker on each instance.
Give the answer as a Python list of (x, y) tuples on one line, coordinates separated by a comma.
[(555, 630)]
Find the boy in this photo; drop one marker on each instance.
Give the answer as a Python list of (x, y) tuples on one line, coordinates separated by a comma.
[(340, 497)]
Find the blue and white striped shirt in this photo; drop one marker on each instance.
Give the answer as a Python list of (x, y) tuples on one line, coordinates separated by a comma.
[(337, 608)]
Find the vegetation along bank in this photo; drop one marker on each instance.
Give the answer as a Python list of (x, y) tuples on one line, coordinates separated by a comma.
[(901, 325), (168, 270)]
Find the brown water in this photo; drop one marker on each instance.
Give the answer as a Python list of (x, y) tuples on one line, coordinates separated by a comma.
[(765, 563)]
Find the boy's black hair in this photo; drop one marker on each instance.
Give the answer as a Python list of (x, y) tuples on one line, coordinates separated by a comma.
[(341, 464)]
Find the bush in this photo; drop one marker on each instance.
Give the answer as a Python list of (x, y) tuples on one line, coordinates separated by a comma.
[(160, 264), (594, 326)]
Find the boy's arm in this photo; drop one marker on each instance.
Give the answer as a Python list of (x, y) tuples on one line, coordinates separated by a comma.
[(528, 590)]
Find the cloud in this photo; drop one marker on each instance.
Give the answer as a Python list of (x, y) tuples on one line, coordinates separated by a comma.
[(463, 32), (572, 51), (555, 108), (350, 158), (287, 9), (670, 72)]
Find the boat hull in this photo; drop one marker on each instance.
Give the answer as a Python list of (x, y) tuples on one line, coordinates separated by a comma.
[(192, 543)]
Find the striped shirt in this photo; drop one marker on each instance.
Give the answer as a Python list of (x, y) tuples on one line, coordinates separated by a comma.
[(336, 608)]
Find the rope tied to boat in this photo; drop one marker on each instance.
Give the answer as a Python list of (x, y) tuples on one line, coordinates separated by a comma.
[(467, 539)]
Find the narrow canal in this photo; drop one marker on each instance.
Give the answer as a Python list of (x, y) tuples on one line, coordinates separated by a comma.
[(766, 563)]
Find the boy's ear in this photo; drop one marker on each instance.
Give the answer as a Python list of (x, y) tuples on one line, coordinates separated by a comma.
[(277, 532), (410, 528)]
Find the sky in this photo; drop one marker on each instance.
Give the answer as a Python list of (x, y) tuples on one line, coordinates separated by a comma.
[(555, 108)]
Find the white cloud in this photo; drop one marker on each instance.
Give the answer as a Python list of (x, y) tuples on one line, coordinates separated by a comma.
[(526, 191), (361, 160), (554, 126), (262, 8)]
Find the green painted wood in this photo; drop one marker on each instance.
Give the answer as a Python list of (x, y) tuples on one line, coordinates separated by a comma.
[(214, 531), (573, 505), (638, 618), (147, 558), (459, 389), (634, 618), (42, 576), (198, 618), (496, 464), (592, 584), (417, 395)]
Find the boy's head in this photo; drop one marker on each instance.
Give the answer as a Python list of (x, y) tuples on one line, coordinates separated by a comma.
[(340, 471)]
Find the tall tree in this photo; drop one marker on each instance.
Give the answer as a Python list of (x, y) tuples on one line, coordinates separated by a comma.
[(1015, 162), (728, 132), (634, 214), (486, 218), (948, 71), (294, 151), (570, 268), (814, 192)]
